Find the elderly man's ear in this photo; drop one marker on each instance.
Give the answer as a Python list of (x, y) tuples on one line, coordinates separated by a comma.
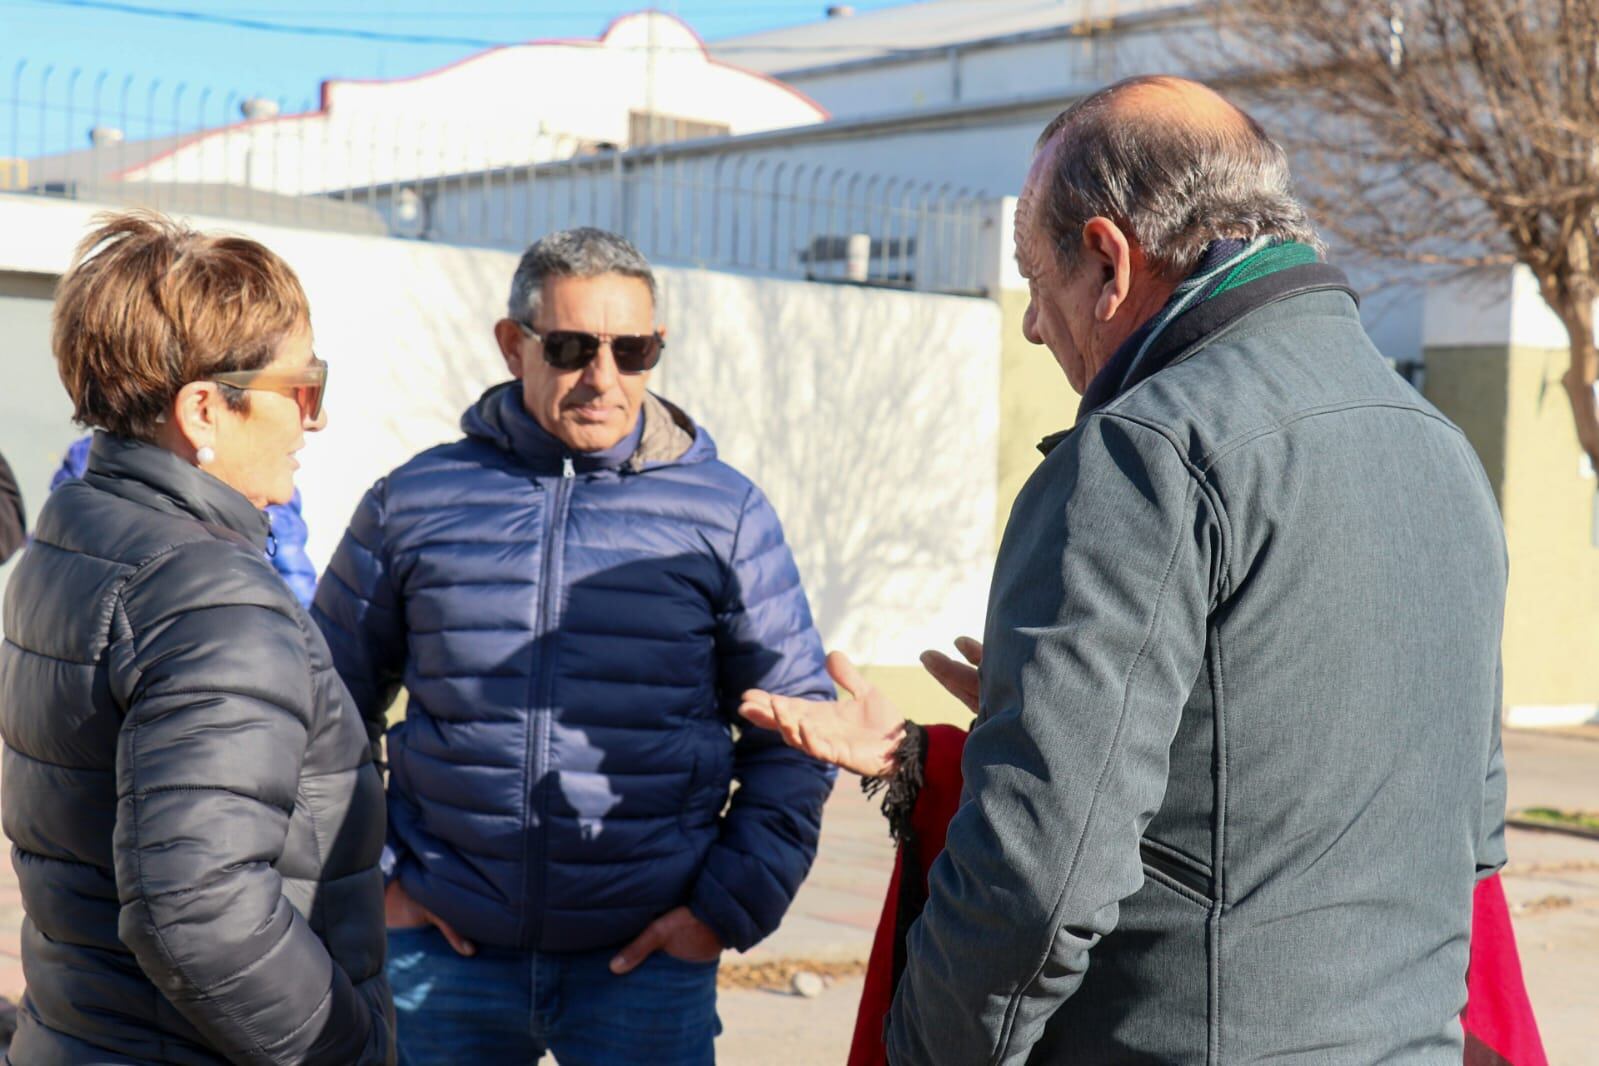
[(1114, 257)]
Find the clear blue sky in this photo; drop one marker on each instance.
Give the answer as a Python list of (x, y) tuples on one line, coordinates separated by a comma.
[(288, 67)]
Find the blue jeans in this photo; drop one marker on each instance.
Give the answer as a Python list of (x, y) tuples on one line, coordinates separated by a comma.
[(511, 1007)]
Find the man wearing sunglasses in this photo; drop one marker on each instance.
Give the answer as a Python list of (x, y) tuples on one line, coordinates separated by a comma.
[(574, 596)]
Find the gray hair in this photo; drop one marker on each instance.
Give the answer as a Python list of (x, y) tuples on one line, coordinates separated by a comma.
[(1174, 185), (583, 252)]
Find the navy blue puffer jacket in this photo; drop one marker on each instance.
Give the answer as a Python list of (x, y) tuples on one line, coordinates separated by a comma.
[(574, 632)]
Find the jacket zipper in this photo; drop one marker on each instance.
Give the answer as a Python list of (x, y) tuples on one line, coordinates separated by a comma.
[(549, 611)]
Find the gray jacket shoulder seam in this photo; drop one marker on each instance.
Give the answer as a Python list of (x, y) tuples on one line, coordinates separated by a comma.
[(1220, 451), (1209, 491)]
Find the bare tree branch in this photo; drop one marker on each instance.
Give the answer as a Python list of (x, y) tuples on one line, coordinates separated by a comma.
[(1451, 133)]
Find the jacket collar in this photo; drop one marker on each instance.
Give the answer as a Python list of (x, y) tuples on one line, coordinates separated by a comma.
[(151, 475), (663, 435), (670, 436), (1232, 281)]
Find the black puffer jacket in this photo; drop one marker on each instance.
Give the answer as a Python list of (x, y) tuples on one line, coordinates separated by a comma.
[(196, 817), (13, 522)]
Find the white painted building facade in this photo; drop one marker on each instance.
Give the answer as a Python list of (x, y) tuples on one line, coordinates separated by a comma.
[(648, 77), (942, 53)]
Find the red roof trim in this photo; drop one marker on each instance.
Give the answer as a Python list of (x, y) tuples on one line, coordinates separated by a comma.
[(585, 42)]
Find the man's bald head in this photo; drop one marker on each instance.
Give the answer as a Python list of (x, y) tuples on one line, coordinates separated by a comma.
[(1172, 162), (1174, 100)]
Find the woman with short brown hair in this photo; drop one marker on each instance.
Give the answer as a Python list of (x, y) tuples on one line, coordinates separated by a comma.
[(193, 801)]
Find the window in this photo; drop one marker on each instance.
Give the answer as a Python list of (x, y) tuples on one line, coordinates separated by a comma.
[(652, 127)]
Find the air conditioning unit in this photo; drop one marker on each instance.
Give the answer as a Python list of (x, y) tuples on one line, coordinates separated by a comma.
[(890, 261)]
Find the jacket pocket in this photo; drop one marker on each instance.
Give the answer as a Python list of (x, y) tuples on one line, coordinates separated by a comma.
[(688, 814), (710, 779), (1175, 870)]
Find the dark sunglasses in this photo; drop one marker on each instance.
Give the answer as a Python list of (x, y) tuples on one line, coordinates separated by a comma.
[(573, 349), (306, 384)]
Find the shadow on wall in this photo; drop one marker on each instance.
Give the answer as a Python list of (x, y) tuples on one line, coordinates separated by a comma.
[(409, 330), (462, 341), (869, 419)]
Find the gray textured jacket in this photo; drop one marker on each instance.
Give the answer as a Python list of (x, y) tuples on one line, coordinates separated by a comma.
[(195, 814), (1237, 768)]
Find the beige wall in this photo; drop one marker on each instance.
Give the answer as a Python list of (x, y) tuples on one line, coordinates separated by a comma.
[(1510, 402), (1034, 401), (917, 695)]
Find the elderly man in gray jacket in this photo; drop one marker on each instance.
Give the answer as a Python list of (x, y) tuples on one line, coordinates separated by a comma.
[(1237, 766)]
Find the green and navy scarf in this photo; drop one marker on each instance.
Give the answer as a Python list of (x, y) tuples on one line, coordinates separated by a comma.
[(1233, 277)]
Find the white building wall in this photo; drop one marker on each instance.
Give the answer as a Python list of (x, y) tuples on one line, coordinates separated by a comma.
[(871, 420), (1494, 308), (868, 417), (879, 90), (35, 413), (507, 106), (1066, 64), (1028, 69), (759, 210), (758, 207)]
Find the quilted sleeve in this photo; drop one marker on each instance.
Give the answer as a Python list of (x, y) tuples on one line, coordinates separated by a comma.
[(360, 613), (765, 639)]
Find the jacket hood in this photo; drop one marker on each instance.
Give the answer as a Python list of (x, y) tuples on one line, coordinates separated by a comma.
[(665, 436)]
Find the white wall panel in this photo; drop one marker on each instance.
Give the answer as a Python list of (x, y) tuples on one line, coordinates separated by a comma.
[(869, 417)]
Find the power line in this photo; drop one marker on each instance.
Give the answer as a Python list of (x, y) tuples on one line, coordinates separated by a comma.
[(368, 14), (210, 18), (356, 33)]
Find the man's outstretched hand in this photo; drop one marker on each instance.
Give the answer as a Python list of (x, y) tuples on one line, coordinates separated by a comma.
[(958, 679), (859, 733)]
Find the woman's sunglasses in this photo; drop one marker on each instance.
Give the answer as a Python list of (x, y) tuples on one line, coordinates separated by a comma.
[(572, 349), (306, 384)]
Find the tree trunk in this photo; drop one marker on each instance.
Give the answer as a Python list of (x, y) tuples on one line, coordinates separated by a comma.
[(1577, 314)]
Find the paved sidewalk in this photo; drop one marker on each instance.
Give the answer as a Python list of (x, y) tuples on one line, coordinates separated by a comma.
[(1552, 883)]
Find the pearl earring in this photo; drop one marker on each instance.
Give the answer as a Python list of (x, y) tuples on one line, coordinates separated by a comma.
[(204, 455)]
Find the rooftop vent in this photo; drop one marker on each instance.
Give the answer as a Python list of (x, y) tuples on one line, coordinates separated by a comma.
[(259, 107)]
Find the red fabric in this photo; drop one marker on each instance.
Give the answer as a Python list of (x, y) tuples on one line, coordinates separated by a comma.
[(1498, 1013), (877, 995), (1498, 1016), (935, 806)]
